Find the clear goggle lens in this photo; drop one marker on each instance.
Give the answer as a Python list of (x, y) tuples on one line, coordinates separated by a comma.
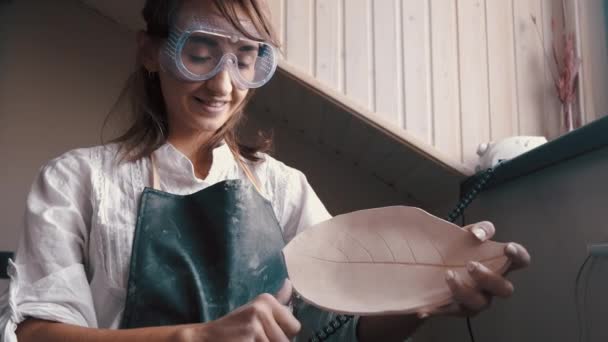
[(200, 55)]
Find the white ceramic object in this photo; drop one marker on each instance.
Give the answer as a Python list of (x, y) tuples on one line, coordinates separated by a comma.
[(491, 153), (384, 260)]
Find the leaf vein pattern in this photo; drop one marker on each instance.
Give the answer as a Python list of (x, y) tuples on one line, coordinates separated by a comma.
[(398, 262), (438, 251), (387, 246), (346, 234), (407, 241), (343, 253)]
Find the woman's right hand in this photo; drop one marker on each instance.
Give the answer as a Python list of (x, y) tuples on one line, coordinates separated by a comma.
[(265, 319)]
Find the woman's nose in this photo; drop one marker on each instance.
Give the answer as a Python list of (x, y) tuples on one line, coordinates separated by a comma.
[(220, 84)]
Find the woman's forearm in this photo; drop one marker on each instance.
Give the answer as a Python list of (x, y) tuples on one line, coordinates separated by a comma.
[(387, 328), (33, 330)]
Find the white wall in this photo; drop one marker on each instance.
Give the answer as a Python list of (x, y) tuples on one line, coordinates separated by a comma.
[(61, 67)]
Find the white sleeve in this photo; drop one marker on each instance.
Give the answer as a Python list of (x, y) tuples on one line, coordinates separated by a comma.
[(302, 207), (48, 278)]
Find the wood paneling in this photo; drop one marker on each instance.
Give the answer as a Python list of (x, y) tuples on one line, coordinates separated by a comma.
[(417, 80), (300, 34), (329, 37), (358, 52), (552, 10), (277, 13), (446, 94), (592, 25), (530, 67), (504, 115), (453, 73), (387, 51), (473, 71)]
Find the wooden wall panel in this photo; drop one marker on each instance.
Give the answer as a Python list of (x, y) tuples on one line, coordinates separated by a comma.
[(277, 14), (329, 36), (530, 66), (473, 70), (446, 94), (552, 117), (387, 51), (300, 34), (358, 52), (417, 81), (453, 73), (504, 118), (592, 26)]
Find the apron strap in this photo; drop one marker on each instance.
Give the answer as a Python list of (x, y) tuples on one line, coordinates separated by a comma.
[(155, 176), (252, 178)]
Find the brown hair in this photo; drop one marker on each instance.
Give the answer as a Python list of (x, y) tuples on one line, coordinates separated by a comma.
[(143, 93)]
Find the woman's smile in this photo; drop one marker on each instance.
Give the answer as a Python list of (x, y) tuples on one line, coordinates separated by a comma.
[(213, 107)]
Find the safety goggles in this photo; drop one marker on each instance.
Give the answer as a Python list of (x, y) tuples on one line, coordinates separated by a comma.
[(206, 47)]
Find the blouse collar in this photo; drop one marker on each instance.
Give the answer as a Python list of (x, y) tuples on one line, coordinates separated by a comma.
[(176, 170)]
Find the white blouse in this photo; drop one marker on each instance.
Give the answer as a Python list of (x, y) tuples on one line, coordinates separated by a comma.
[(73, 258)]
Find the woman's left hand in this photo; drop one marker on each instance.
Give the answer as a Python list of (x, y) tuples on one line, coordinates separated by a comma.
[(469, 299)]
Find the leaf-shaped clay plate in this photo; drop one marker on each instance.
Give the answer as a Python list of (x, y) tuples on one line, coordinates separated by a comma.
[(384, 260)]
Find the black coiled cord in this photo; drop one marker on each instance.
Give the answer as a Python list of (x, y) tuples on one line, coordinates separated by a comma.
[(330, 328)]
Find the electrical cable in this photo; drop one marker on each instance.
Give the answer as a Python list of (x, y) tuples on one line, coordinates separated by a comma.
[(580, 314)]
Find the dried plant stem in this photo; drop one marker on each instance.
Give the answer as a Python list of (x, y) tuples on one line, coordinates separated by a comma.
[(568, 117), (542, 41), (567, 65)]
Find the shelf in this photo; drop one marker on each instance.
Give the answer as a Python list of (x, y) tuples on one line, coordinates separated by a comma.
[(576, 143)]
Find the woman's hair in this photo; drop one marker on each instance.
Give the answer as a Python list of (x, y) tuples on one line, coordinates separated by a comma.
[(143, 95)]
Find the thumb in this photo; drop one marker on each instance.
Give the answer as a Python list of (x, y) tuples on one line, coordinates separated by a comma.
[(482, 230), (284, 294)]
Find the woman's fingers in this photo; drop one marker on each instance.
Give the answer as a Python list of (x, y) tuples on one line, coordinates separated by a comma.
[(284, 294), (279, 324), (489, 281), (272, 329), (261, 335), (284, 318), (449, 309), (482, 230), (469, 298), (519, 256), (264, 319)]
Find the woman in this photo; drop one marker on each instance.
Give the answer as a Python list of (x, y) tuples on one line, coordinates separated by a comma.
[(169, 225)]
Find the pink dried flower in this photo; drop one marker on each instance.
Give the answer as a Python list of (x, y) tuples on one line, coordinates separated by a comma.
[(567, 68)]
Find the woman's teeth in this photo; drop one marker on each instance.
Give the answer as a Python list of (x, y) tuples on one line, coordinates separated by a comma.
[(215, 104)]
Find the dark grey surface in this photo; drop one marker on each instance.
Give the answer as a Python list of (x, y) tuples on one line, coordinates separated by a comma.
[(555, 212), (4, 256)]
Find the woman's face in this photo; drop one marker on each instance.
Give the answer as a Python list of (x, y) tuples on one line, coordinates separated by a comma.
[(200, 107)]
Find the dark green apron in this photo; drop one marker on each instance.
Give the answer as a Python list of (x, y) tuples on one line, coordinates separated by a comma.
[(197, 257)]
